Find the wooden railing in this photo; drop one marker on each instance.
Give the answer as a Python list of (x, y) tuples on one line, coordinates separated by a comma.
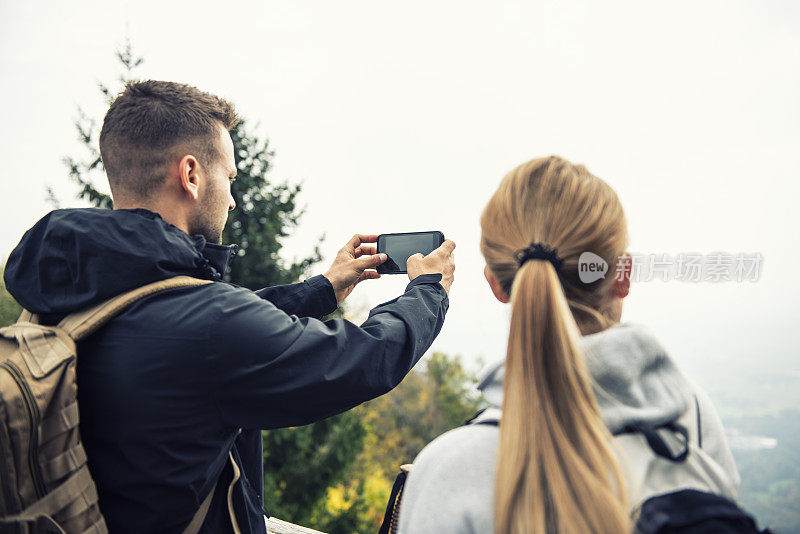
[(276, 526)]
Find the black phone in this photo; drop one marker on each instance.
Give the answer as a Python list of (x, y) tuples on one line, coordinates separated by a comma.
[(399, 247)]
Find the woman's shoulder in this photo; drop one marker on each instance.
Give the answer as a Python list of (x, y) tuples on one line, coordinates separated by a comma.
[(462, 444), (450, 486)]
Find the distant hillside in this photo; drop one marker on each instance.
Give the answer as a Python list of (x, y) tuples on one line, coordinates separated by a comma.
[(770, 487)]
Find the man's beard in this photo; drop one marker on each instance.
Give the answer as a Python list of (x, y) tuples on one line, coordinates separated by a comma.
[(206, 222), (206, 227)]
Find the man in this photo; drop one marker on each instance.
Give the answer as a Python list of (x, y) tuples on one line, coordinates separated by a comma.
[(181, 378)]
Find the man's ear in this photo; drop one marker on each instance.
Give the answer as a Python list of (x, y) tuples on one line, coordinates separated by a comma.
[(497, 289), (622, 276), (188, 174)]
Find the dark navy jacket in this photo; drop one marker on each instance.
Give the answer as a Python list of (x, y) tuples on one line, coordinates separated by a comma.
[(164, 388)]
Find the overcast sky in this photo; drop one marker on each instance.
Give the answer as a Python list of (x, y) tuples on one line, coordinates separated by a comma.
[(405, 116)]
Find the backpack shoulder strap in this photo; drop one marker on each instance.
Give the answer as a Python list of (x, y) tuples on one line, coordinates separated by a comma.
[(392, 516), (675, 448), (27, 317), (81, 324), (489, 416)]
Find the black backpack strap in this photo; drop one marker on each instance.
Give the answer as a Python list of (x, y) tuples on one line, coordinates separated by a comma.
[(699, 427), (392, 514), (490, 422), (471, 419), (651, 434), (657, 442)]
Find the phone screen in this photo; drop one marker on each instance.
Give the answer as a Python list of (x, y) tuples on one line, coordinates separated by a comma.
[(399, 247)]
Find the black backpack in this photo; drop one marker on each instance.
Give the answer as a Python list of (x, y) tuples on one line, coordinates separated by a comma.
[(693, 512)]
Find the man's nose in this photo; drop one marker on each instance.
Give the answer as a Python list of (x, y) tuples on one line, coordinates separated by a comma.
[(231, 204)]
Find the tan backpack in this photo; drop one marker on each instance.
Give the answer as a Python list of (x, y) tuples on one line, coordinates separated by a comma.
[(46, 484)]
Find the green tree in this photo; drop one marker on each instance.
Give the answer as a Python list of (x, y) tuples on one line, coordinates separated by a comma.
[(304, 462), (430, 401), (9, 309)]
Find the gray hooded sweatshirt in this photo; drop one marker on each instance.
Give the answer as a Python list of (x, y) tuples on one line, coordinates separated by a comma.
[(451, 485)]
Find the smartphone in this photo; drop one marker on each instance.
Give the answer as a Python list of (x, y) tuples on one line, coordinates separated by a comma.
[(399, 247)]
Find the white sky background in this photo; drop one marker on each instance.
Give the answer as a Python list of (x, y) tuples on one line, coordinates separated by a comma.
[(405, 116)]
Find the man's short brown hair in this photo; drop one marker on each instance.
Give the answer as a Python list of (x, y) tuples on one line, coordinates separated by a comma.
[(148, 123)]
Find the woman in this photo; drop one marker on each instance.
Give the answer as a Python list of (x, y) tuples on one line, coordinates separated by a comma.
[(573, 377)]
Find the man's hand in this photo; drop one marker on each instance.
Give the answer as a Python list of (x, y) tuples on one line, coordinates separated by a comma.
[(440, 261), (354, 262)]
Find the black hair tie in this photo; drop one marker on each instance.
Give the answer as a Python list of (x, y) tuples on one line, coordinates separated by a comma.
[(538, 251)]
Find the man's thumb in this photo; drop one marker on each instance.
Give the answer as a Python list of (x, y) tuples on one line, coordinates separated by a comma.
[(368, 262), (414, 258)]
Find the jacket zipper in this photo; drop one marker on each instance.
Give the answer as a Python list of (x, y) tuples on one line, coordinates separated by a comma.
[(33, 414)]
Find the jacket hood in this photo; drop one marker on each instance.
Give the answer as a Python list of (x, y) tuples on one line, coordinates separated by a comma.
[(634, 380), (74, 258)]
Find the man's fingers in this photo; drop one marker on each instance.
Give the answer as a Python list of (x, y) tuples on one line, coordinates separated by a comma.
[(365, 250), (354, 241), (368, 275), (357, 239)]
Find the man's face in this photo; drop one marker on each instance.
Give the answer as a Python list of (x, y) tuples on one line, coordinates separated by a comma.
[(215, 199)]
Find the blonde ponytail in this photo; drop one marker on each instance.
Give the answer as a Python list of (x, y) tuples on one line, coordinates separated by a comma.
[(555, 470)]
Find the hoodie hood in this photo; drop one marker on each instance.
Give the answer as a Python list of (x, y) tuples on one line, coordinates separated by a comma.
[(633, 378), (75, 258)]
